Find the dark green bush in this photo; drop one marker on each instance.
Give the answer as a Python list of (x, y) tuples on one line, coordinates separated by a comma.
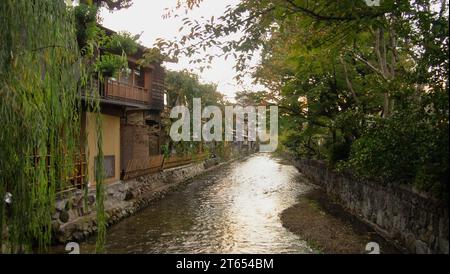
[(339, 152), (411, 147), (85, 22)]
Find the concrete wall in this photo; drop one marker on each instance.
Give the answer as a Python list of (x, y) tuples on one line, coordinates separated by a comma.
[(419, 223), (111, 142)]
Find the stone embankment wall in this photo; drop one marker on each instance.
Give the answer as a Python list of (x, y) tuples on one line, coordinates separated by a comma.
[(417, 222), (75, 216)]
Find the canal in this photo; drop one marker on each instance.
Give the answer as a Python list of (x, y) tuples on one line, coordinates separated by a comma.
[(233, 209)]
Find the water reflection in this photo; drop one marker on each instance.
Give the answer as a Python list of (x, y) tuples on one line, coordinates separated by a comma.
[(232, 210)]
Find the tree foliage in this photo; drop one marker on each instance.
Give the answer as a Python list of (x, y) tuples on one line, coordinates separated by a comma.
[(46, 62), (122, 42), (356, 84), (38, 98), (181, 89), (109, 4)]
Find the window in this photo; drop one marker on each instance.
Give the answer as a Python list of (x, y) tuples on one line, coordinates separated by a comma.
[(139, 77), (125, 75), (109, 166)]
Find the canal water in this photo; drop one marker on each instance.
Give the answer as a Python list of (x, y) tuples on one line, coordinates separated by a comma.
[(233, 209)]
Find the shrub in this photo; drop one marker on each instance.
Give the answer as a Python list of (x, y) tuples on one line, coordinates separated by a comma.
[(109, 64), (411, 147), (339, 152), (122, 42)]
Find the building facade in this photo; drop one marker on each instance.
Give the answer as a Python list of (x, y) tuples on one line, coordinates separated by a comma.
[(130, 106)]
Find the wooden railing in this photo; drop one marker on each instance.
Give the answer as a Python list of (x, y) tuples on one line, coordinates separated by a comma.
[(122, 91), (140, 167), (176, 161)]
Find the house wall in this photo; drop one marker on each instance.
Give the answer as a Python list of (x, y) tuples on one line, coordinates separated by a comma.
[(111, 142), (134, 143), (153, 118), (157, 87), (154, 142), (148, 79)]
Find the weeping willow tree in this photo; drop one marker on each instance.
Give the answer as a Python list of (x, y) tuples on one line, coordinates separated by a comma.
[(42, 72)]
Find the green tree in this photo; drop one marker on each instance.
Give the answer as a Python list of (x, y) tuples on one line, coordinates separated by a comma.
[(353, 82), (46, 61), (181, 88), (38, 92)]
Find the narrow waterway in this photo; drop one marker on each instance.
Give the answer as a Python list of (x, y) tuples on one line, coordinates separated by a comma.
[(233, 209)]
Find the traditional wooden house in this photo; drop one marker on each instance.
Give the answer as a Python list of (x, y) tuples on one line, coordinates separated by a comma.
[(131, 104)]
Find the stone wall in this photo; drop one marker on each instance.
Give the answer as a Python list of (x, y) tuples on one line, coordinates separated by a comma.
[(75, 215), (417, 222)]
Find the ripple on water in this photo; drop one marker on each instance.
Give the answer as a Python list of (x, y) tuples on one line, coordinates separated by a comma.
[(234, 209)]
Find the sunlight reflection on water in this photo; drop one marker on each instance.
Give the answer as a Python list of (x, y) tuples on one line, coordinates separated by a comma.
[(234, 209)]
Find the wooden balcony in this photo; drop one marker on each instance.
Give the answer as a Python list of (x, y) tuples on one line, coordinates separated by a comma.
[(126, 92)]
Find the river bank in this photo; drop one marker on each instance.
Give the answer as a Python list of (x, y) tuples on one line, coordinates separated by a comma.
[(259, 204), (398, 212), (328, 228), (75, 216), (234, 209)]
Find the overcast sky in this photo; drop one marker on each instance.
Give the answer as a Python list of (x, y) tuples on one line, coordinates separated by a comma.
[(146, 16)]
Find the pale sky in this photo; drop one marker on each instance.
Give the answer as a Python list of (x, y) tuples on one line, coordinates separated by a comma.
[(146, 16)]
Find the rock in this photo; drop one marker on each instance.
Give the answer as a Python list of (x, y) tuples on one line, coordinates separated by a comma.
[(110, 191), (421, 247), (55, 216), (65, 232), (123, 187), (61, 205), (64, 216), (90, 200), (128, 196), (55, 226), (78, 236)]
